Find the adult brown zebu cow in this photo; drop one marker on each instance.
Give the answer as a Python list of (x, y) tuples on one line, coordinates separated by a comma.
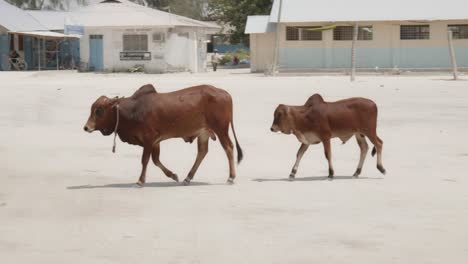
[(319, 121), (148, 117)]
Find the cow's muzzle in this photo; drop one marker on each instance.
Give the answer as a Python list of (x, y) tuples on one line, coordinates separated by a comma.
[(274, 129), (88, 128)]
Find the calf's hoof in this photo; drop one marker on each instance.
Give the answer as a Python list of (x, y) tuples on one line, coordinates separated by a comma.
[(291, 178), (175, 177), (357, 173), (230, 181), (381, 169), (187, 181)]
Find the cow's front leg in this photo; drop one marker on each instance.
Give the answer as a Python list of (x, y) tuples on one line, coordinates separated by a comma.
[(144, 162), (328, 155), (299, 155), (158, 163)]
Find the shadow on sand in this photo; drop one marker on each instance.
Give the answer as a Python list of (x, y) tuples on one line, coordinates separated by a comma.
[(134, 185), (323, 178)]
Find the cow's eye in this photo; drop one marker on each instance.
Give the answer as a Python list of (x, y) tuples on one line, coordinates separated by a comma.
[(99, 111)]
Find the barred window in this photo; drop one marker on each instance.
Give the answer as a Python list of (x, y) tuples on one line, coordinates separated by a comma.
[(292, 33), (303, 33), (459, 31), (135, 42), (346, 33), (414, 32), (311, 33)]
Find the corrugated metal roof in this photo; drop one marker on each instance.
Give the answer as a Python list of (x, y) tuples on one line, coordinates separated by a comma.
[(368, 10), (259, 24), (52, 20), (16, 19), (126, 13)]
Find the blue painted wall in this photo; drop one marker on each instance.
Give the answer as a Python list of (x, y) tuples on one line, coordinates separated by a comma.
[(4, 52), (323, 58)]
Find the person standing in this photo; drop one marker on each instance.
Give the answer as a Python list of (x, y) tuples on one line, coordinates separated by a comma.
[(215, 60)]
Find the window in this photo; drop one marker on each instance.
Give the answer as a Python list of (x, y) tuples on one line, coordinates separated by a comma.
[(346, 33), (292, 33), (311, 33), (459, 31), (135, 42), (414, 32), (303, 33), (158, 37)]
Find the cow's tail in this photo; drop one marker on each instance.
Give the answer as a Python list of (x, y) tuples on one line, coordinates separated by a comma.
[(240, 154), (374, 150)]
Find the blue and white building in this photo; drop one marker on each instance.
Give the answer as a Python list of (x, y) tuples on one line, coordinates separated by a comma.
[(392, 34)]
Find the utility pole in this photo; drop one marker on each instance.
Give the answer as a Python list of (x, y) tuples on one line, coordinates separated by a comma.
[(278, 31), (452, 55), (353, 52)]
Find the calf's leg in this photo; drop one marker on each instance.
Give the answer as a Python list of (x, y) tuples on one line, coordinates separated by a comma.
[(299, 155), (328, 155), (202, 142), (361, 140), (144, 162), (378, 146), (157, 162)]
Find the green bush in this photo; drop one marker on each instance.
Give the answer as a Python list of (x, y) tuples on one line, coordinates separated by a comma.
[(226, 59)]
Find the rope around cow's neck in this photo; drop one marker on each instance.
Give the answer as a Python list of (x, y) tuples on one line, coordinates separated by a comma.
[(116, 126)]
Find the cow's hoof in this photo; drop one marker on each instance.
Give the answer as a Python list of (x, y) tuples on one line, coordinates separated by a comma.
[(187, 182), (230, 181), (357, 173), (291, 178), (381, 169), (175, 177), (140, 184), (330, 177)]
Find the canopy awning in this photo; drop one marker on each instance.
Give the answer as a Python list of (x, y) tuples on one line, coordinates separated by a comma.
[(45, 34)]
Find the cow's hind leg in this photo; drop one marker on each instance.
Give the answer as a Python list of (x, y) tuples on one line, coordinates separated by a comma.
[(157, 162), (228, 148), (361, 140), (202, 150), (299, 155), (328, 155), (378, 143)]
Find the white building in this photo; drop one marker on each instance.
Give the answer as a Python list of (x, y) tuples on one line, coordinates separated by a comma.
[(392, 34), (119, 35)]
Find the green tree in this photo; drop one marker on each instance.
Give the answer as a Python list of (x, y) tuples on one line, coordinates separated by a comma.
[(234, 13)]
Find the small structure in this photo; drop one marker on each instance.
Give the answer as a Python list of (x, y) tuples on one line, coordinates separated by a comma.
[(35, 44), (121, 36), (397, 34)]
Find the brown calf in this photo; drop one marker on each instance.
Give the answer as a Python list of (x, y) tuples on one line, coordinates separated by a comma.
[(148, 117), (319, 121)]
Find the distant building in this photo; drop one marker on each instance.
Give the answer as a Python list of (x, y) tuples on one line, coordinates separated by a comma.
[(121, 35), (39, 47), (392, 34)]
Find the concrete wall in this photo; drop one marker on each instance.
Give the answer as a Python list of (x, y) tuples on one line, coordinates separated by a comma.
[(177, 53), (386, 50), (262, 51)]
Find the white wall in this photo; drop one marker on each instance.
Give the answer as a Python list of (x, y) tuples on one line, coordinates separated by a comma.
[(177, 53)]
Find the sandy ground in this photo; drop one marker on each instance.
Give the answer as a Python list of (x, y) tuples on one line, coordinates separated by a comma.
[(66, 198)]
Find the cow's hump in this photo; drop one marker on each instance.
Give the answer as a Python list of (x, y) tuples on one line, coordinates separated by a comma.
[(144, 90)]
